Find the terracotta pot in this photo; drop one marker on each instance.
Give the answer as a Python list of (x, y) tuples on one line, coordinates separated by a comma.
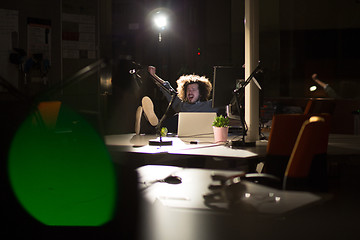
[(220, 134)]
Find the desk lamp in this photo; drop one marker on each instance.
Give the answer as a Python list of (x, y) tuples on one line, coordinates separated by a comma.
[(238, 94), (167, 87)]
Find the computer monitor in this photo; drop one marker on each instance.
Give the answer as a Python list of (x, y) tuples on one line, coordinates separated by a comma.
[(224, 83)]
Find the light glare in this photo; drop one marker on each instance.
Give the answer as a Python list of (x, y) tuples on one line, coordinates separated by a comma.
[(313, 88), (160, 21)]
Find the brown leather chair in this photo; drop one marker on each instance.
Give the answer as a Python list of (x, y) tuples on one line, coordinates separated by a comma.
[(306, 168), (283, 134)]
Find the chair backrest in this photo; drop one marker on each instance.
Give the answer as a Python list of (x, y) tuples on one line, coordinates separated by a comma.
[(284, 131), (311, 144), (320, 105)]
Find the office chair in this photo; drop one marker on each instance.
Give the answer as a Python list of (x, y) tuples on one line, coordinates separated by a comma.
[(284, 131), (307, 166), (283, 134)]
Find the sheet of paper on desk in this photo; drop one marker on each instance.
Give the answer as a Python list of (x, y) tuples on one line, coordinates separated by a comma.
[(177, 147), (150, 149), (214, 150), (176, 143)]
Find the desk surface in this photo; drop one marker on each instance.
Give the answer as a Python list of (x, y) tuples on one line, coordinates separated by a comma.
[(339, 144), (179, 211), (181, 146), (195, 182)]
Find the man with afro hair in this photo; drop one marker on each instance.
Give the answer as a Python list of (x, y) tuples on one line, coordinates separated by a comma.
[(193, 93)]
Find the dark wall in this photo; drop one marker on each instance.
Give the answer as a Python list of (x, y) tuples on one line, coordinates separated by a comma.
[(332, 53), (61, 68)]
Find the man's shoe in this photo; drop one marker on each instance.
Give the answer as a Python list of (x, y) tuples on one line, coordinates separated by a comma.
[(148, 109), (145, 118)]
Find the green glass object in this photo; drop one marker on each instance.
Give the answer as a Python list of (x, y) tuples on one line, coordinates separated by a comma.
[(164, 131), (63, 174)]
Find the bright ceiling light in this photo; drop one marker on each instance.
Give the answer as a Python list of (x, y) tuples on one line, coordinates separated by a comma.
[(160, 20), (313, 88)]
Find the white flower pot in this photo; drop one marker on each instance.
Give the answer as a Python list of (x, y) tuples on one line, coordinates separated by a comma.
[(220, 134)]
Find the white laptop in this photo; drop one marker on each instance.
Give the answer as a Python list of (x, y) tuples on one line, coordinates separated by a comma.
[(196, 124)]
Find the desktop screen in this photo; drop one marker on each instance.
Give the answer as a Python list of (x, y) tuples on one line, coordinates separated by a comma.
[(224, 83)]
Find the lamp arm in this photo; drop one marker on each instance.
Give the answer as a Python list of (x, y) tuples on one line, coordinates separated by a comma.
[(165, 85), (251, 77), (242, 120), (158, 126)]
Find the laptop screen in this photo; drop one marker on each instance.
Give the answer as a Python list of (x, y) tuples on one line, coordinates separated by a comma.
[(195, 124)]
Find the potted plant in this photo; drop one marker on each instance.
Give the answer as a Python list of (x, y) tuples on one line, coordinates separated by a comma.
[(221, 128)]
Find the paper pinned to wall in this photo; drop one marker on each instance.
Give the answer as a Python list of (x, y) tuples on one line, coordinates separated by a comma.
[(78, 36), (9, 28), (39, 37)]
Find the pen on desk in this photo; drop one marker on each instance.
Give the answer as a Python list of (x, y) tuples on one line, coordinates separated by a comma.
[(174, 198)]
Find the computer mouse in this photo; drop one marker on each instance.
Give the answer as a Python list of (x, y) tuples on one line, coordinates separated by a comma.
[(172, 179)]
